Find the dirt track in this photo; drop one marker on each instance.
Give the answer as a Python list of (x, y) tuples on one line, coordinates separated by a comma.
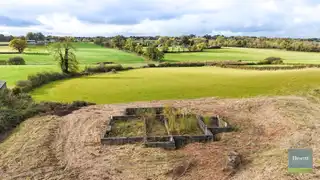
[(68, 147)]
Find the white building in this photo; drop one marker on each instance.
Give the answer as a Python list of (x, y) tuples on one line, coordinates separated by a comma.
[(31, 42)]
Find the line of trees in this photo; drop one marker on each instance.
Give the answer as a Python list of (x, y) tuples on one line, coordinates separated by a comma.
[(151, 52), (307, 45), (199, 43)]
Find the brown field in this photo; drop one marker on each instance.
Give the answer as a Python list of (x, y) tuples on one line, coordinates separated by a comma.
[(68, 147)]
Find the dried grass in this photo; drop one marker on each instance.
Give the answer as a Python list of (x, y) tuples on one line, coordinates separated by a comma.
[(69, 147)]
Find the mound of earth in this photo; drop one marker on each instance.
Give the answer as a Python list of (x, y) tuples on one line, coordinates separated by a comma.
[(68, 147)]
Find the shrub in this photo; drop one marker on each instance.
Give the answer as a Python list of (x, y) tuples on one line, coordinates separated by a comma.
[(271, 60), (9, 118), (3, 62), (214, 47), (23, 86), (61, 109), (103, 68), (16, 61), (16, 90), (151, 65), (14, 108), (182, 64), (113, 71)]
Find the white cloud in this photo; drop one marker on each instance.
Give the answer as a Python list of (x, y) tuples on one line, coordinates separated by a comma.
[(297, 18)]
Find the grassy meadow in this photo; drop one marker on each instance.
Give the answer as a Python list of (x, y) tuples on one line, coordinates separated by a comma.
[(87, 53), (179, 83), (245, 54), (38, 60)]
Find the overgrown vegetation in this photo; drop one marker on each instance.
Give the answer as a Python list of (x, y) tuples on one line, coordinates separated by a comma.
[(102, 68), (15, 108), (130, 128), (181, 122), (271, 60), (16, 61), (154, 126)]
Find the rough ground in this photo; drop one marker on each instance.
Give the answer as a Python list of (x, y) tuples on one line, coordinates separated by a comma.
[(68, 147)]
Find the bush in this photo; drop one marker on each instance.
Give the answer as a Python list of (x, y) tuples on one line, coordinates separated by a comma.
[(214, 47), (3, 62), (9, 118), (103, 68), (23, 86), (182, 64), (14, 108), (16, 61), (61, 109), (271, 60), (113, 71), (151, 65)]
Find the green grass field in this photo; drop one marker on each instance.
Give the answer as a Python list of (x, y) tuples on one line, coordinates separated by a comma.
[(179, 83), (38, 59), (12, 74), (87, 53), (245, 54)]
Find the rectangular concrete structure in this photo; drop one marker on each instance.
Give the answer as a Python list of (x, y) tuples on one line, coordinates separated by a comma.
[(168, 141)]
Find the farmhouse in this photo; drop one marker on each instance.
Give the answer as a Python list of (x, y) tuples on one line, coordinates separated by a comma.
[(3, 85), (31, 42)]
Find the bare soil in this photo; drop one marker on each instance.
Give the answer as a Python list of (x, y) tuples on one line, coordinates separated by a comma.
[(68, 147)]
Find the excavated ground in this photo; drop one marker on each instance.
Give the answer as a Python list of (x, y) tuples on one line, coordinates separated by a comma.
[(69, 147)]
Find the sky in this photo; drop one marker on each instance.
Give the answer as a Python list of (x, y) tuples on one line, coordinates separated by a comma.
[(272, 18)]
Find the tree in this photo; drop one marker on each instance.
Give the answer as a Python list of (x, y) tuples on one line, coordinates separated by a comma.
[(130, 45), (185, 41), (39, 36), (153, 53), (139, 49), (30, 36), (64, 52), (18, 44), (118, 42)]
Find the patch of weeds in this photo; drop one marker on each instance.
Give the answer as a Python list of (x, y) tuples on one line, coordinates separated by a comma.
[(181, 122), (129, 128)]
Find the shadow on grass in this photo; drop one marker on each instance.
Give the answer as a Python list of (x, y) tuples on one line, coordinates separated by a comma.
[(123, 78)]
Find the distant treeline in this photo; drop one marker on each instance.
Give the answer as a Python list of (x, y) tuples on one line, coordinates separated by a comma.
[(307, 45), (195, 43), (191, 42)]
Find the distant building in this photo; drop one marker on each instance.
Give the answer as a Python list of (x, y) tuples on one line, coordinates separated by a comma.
[(3, 85), (31, 42)]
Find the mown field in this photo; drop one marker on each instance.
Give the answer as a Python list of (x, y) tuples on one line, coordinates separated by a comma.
[(11, 74), (87, 53), (245, 54), (179, 83), (38, 59)]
